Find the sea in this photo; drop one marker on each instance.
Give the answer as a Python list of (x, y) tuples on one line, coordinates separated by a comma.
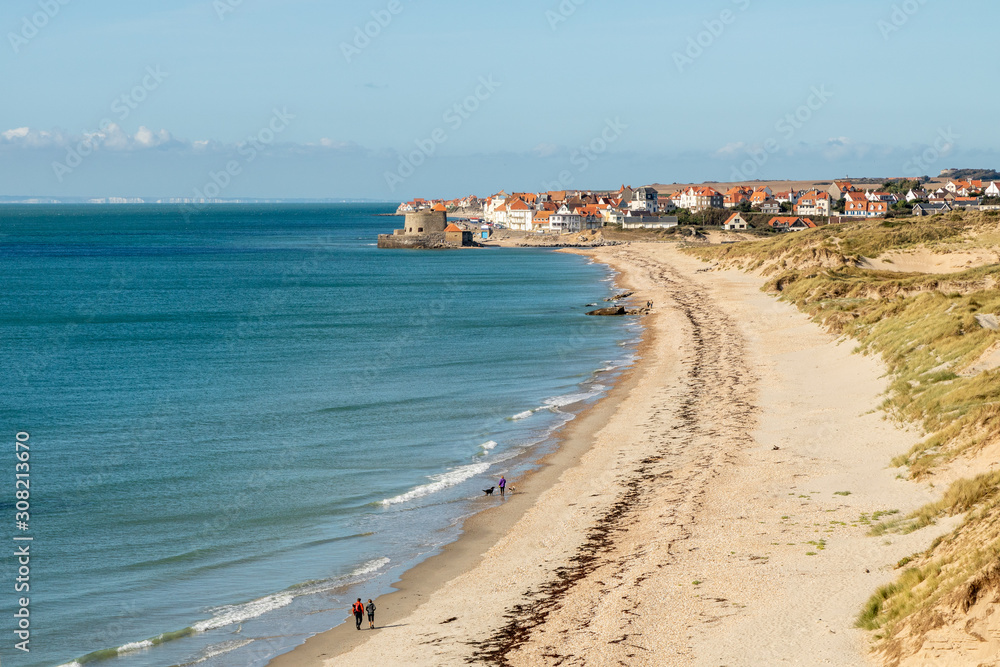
[(237, 418)]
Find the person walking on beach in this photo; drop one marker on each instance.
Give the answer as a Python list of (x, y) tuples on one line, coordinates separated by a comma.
[(359, 612), (503, 484), (370, 608)]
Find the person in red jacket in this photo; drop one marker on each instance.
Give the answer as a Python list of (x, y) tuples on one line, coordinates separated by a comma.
[(359, 613)]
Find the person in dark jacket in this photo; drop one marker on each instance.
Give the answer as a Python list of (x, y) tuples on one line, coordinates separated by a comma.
[(359, 612), (370, 608)]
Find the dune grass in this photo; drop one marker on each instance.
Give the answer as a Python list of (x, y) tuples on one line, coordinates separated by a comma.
[(925, 329)]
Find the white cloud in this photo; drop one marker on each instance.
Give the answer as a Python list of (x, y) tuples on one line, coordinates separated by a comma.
[(546, 150), (113, 138), (731, 149)]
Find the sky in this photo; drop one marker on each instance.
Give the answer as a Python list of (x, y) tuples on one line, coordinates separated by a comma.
[(392, 99)]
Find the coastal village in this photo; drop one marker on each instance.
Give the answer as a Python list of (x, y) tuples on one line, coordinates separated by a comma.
[(741, 207)]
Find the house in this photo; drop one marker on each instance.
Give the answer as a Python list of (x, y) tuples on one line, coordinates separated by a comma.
[(666, 204), (698, 199), (455, 235), (645, 220), (954, 186), (614, 216), (770, 206), (882, 196), (789, 197), (759, 197), (735, 199), (992, 190), (967, 202), (645, 199), (565, 220), (916, 195), (855, 196), (932, 208), (865, 209), (540, 223), (813, 202), (838, 189), (591, 216), (519, 215), (736, 196), (736, 222), (791, 224)]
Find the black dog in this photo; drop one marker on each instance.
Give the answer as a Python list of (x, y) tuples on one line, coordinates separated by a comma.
[(489, 491)]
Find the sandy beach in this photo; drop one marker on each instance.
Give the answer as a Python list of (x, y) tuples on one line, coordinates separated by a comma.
[(711, 510)]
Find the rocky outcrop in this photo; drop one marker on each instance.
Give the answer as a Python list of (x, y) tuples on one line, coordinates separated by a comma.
[(608, 312)]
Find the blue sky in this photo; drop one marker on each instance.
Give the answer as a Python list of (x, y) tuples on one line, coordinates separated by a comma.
[(282, 98)]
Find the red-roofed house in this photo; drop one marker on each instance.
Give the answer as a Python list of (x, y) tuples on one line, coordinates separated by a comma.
[(519, 215), (736, 222), (698, 199), (866, 209), (455, 235), (813, 202), (790, 224), (838, 189)]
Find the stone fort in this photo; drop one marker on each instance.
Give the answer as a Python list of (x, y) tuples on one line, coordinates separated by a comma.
[(426, 229)]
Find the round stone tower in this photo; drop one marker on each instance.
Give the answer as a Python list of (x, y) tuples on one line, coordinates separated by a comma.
[(425, 222)]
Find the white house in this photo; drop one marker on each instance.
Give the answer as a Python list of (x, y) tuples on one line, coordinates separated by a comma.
[(699, 199), (645, 199), (815, 203), (519, 215), (993, 190), (565, 220), (736, 222)]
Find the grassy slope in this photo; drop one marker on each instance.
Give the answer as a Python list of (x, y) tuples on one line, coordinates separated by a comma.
[(924, 327)]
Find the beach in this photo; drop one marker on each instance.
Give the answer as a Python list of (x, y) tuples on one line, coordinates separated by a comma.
[(712, 509)]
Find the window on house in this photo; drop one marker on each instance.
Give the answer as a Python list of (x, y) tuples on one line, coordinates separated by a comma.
[(420, 230)]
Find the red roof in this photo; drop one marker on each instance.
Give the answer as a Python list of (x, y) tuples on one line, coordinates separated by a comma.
[(453, 228)]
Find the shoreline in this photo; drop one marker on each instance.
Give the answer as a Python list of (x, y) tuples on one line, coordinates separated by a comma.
[(480, 531), (722, 487)]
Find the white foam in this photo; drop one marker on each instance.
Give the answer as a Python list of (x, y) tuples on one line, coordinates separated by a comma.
[(370, 567), (523, 415), (569, 399), (487, 446), (135, 646), (238, 613), (71, 664), (220, 649), (440, 483)]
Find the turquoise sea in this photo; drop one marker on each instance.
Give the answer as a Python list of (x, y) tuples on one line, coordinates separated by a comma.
[(242, 420)]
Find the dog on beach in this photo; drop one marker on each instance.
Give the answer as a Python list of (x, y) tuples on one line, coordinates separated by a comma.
[(489, 491)]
